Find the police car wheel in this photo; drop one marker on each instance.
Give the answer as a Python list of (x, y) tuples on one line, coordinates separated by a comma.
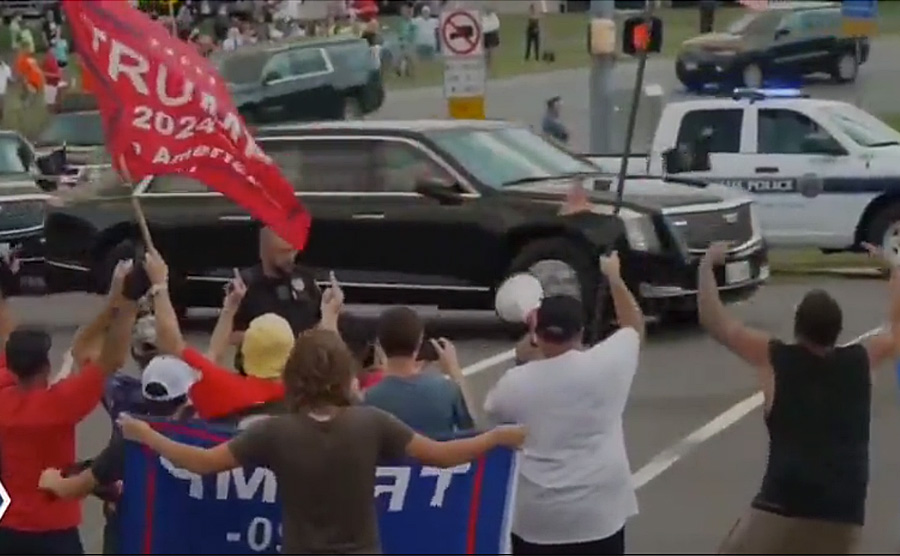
[(884, 231), (845, 68), (752, 75)]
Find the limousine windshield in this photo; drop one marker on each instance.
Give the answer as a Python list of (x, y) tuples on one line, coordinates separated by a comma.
[(506, 156)]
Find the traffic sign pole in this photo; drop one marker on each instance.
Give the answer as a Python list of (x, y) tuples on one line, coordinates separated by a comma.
[(465, 68), (601, 92)]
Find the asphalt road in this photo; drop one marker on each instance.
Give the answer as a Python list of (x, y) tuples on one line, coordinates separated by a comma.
[(685, 381), (522, 98)]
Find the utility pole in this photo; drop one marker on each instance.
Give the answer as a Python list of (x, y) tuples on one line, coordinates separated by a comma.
[(602, 90)]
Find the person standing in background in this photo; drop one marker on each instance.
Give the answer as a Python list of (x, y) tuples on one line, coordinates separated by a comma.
[(52, 77), (552, 125), (533, 34), (407, 39), (5, 77), (60, 47), (490, 24)]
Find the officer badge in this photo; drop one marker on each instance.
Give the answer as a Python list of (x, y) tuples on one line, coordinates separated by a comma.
[(298, 284)]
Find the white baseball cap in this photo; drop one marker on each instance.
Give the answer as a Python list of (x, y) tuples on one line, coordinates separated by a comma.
[(517, 297), (167, 378)]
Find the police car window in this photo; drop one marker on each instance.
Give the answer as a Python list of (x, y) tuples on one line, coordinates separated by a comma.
[(326, 165), (724, 125), (278, 67), (307, 61), (785, 132), (399, 167), (176, 184), (862, 128)]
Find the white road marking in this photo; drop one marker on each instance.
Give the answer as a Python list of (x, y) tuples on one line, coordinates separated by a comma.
[(671, 455), (491, 361)]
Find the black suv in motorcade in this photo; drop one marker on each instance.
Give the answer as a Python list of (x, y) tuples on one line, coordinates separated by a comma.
[(431, 212), (309, 79), (789, 39)]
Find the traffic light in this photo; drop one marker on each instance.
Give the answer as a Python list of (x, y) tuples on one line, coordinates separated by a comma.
[(642, 34)]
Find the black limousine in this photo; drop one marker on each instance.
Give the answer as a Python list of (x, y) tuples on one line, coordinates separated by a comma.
[(432, 212)]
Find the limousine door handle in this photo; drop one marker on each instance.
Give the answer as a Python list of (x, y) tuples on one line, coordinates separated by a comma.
[(235, 218), (766, 170), (369, 216)]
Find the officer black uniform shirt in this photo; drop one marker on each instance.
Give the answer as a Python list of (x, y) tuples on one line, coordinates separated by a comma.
[(294, 297)]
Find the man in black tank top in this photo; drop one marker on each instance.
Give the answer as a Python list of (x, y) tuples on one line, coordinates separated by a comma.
[(817, 411)]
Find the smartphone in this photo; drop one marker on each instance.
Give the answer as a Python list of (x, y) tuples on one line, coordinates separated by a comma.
[(427, 351), (137, 282)]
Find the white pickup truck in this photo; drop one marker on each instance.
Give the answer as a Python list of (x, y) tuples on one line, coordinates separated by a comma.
[(824, 173)]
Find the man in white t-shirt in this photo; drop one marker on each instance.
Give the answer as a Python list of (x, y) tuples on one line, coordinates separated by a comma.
[(574, 491)]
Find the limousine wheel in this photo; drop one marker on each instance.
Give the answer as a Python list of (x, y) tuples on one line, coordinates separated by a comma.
[(352, 109), (563, 268)]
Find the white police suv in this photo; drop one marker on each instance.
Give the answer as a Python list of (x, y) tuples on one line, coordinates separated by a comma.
[(824, 173)]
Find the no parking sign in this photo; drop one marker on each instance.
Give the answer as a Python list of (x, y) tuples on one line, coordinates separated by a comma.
[(462, 45)]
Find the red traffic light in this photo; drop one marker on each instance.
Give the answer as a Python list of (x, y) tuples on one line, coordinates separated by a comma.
[(641, 34)]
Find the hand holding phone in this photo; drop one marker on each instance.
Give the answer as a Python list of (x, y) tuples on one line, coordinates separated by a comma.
[(137, 282)]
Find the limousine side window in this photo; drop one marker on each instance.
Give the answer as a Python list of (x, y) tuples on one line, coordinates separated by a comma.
[(399, 167), (176, 184), (323, 165)]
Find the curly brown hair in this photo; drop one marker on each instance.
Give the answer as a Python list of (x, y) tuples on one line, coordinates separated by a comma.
[(319, 371)]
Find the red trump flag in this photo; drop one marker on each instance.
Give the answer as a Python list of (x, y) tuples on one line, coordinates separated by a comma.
[(165, 110)]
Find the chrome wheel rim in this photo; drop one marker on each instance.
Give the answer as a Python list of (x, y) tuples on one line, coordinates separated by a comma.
[(558, 278)]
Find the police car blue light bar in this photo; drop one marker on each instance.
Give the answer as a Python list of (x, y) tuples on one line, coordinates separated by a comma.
[(754, 94), (781, 92)]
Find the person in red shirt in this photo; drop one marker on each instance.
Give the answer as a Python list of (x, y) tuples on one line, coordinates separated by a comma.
[(52, 78), (37, 427), (221, 392)]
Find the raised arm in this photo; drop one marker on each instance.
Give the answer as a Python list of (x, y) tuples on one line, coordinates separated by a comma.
[(750, 345), (885, 345), (221, 337), (88, 340), (628, 311), (168, 333), (451, 453)]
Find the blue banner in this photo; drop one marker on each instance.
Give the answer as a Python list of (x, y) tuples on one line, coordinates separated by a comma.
[(422, 510)]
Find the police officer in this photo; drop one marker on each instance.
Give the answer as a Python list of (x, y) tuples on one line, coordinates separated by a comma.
[(277, 285)]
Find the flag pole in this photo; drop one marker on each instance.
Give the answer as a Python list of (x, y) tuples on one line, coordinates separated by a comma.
[(136, 205), (172, 18)]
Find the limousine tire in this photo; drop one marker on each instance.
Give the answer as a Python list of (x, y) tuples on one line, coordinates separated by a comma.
[(353, 109), (563, 267)]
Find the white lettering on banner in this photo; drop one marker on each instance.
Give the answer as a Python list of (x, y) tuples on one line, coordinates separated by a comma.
[(262, 484), (397, 489), (125, 63), (245, 488), (196, 488), (444, 477)]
